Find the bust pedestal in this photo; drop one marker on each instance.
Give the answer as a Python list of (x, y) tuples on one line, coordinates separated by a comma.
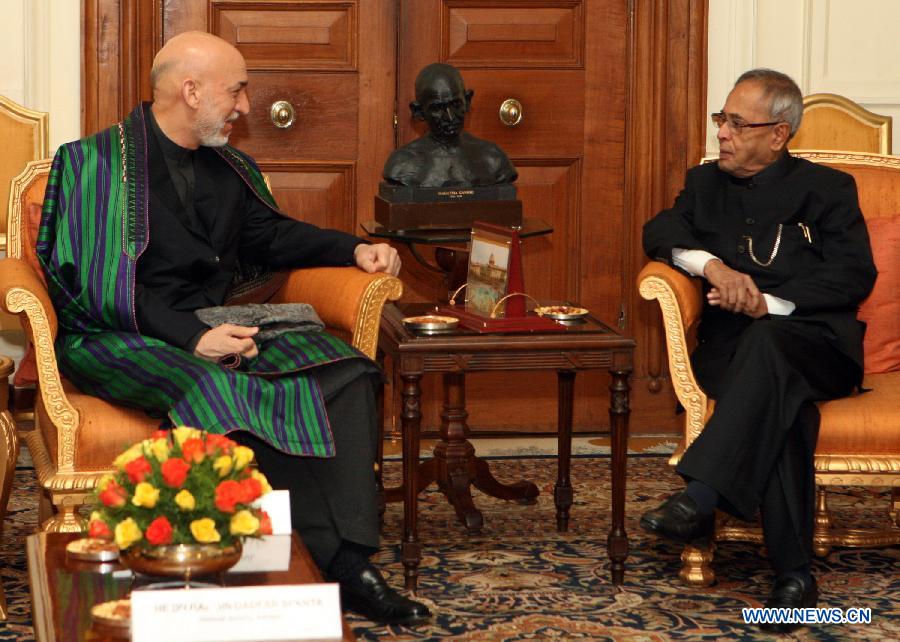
[(447, 214)]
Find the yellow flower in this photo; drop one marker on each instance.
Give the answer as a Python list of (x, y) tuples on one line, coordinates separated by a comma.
[(160, 449), (258, 476), (222, 464), (145, 495), (244, 523), (183, 433), (104, 481), (204, 531), (95, 515), (127, 533), (242, 457), (132, 453), (185, 500)]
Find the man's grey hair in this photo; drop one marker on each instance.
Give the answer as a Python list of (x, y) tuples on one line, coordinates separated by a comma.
[(157, 72), (785, 98)]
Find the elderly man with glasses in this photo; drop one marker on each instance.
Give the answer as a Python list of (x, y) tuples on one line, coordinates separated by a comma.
[(785, 257)]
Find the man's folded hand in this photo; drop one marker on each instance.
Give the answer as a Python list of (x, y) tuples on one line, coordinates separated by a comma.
[(227, 339)]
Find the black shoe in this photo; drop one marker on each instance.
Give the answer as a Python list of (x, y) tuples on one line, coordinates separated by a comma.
[(790, 592), (370, 596), (678, 518)]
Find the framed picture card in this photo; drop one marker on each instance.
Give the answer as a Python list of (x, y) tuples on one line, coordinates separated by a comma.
[(489, 263)]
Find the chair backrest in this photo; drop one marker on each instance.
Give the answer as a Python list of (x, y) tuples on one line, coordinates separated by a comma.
[(26, 196), (836, 123), (25, 138), (877, 178)]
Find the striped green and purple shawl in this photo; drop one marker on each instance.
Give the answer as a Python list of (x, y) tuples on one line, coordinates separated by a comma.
[(93, 231)]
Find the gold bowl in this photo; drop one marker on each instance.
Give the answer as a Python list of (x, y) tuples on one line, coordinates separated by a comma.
[(181, 560)]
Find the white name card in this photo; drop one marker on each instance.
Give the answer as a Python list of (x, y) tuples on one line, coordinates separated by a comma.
[(278, 505), (302, 612), (269, 553)]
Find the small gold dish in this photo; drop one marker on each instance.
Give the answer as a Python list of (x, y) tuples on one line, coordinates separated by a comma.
[(90, 549), (115, 614), (561, 312), (430, 323)]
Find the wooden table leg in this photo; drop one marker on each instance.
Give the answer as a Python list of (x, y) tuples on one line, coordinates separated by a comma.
[(410, 419), (562, 491), (454, 454), (617, 540), (458, 468)]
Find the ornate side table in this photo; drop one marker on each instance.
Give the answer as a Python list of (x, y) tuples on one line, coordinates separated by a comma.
[(454, 466)]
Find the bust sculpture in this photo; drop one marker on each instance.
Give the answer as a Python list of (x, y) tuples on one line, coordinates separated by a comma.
[(446, 156)]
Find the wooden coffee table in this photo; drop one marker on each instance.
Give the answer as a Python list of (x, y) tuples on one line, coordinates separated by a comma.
[(587, 345), (63, 591)]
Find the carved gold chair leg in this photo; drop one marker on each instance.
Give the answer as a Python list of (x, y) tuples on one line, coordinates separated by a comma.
[(9, 453), (822, 536), (696, 565), (66, 518)]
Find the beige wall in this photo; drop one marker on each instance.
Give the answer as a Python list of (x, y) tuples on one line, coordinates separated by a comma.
[(847, 47), (40, 61), (40, 67)]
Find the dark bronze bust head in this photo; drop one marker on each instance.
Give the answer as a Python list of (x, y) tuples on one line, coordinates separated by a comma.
[(446, 156)]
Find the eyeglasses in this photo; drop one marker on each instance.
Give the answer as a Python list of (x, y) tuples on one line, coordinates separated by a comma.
[(719, 118)]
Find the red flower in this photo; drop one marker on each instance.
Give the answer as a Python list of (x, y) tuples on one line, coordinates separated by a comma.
[(113, 495), (99, 529), (265, 523), (159, 531), (228, 493), (160, 434), (193, 450), (137, 469), (174, 472), (251, 489), (219, 442)]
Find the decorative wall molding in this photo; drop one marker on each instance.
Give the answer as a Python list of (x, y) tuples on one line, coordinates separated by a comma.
[(845, 47)]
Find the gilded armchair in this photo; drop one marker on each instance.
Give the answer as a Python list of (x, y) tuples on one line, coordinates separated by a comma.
[(76, 436), (859, 437), (837, 123)]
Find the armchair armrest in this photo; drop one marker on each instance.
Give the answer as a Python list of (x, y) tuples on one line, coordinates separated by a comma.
[(346, 298), (680, 302), (23, 292)]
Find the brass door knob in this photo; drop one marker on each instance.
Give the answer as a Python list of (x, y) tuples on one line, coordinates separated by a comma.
[(511, 112), (282, 114)]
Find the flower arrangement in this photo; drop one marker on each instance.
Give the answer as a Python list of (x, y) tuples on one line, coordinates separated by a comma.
[(182, 486)]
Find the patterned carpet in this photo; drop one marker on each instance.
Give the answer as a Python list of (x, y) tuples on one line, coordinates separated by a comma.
[(521, 580)]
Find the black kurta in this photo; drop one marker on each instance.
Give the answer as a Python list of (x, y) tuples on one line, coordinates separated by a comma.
[(204, 226), (757, 448)]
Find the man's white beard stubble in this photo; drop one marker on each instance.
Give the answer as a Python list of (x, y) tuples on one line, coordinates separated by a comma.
[(209, 129)]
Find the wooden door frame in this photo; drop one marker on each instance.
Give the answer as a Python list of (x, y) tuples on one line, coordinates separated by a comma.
[(664, 124)]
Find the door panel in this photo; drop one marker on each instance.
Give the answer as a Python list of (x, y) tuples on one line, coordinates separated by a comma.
[(516, 34), (325, 108), (317, 194), (289, 35), (552, 110)]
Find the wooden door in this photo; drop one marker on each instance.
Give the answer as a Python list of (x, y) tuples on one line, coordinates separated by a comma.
[(333, 64), (565, 62), (592, 75)]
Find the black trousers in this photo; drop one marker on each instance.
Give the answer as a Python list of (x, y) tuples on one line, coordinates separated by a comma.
[(333, 499), (757, 449)]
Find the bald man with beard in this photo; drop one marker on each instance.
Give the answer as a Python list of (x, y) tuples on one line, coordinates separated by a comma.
[(157, 217)]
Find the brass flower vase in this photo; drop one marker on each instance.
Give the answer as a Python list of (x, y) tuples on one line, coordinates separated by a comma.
[(182, 561)]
